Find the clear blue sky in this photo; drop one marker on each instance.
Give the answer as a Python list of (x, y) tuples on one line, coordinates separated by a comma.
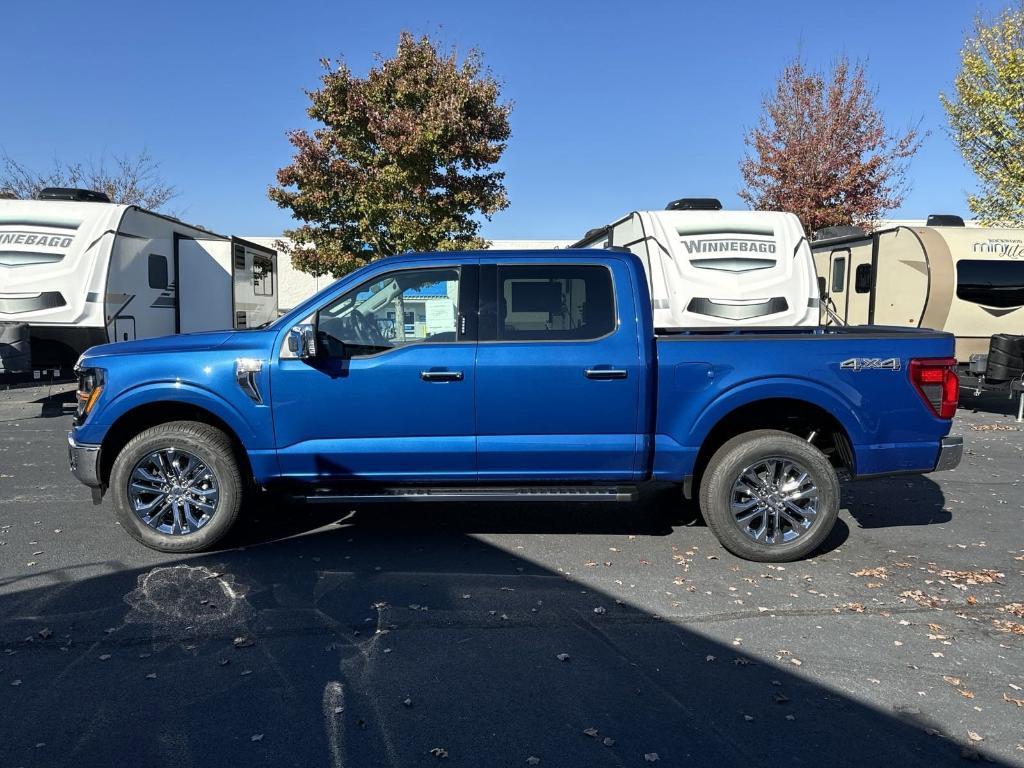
[(618, 106)]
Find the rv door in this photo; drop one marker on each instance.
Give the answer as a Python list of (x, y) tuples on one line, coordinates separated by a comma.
[(204, 284)]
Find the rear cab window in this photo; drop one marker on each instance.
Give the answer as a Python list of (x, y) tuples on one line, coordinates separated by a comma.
[(567, 302)]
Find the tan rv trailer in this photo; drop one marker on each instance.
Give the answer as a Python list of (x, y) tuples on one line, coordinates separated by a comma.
[(968, 281)]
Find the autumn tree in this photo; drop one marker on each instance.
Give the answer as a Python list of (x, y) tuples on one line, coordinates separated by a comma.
[(821, 150), (986, 116), (402, 159), (128, 179)]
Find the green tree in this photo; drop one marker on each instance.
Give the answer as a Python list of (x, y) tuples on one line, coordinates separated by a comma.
[(986, 116), (401, 160)]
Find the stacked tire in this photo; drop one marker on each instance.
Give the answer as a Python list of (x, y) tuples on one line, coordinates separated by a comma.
[(1005, 357), (15, 349)]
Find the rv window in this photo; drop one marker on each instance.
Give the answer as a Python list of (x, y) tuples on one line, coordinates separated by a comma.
[(839, 275), (262, 276), (862, 279), (555, 303), (991, 283), (239, 257), (157, 271)]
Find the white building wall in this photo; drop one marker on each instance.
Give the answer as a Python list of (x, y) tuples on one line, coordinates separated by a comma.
[(294, 286)]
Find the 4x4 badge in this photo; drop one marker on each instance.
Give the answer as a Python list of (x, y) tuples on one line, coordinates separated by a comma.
[(871, 363)]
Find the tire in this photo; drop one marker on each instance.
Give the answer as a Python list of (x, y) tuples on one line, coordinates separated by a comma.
[(759, 448), (218, 480), (1008, 344), (995, 357)]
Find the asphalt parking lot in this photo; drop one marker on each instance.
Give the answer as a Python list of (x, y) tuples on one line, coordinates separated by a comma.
[(468, 635)]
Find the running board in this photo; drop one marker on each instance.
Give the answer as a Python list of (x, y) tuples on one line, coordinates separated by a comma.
[(620, 493)]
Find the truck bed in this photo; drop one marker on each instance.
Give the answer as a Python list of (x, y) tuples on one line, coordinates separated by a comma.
[(704, 375)]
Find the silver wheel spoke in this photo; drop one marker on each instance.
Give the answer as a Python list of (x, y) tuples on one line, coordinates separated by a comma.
[(154, 520), (808, 512), (739, 507)]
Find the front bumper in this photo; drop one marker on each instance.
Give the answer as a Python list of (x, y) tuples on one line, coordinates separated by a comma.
[(951, 450), (84, 461)]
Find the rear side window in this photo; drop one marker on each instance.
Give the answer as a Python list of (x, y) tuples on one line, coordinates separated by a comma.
[(839, 275), (991, 283), (157, 271), (555, 303)]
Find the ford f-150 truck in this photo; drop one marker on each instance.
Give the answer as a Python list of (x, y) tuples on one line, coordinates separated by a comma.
[(508, 376)]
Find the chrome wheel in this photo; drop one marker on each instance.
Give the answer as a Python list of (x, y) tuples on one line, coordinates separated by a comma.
[(774, 501), (173, 492)]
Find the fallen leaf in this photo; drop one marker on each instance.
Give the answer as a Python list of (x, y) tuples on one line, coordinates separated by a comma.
[(591, 732), (439, 752), (875, 573), (45, 633), (1011, 700), (562, 657), (256, 737), (243, 642), (652, 757), (104, 656), (599, 609), (533, 760), (151, 676), (608, 741), (974, 736), (951, 680)]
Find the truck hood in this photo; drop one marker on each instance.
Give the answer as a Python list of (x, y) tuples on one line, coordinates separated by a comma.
[(186, 342)]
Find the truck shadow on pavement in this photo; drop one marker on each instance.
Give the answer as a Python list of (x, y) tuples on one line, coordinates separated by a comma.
[(368, 643)]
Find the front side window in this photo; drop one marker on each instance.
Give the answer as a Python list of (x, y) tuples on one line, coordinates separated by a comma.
[(555, 303), (990, 283), (365, 320)]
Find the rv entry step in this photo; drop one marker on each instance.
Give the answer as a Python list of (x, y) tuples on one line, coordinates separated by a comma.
[(621, 493)]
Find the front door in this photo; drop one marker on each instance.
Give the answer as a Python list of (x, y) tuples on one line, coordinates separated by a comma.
[(558, 374), (390, 397)]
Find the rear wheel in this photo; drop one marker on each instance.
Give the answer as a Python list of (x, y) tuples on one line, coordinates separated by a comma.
[(177, 487), (770, 496)]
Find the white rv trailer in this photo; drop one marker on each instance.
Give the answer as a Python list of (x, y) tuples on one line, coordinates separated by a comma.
[(85, 273), (709, 267)]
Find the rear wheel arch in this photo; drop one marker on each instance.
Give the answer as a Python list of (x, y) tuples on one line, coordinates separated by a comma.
[(793, 415)]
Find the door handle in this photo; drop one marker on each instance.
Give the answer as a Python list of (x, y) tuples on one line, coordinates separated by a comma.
[(441, 375), (605, 374)]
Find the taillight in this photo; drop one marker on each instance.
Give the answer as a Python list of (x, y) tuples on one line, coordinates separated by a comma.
[(936, 381)]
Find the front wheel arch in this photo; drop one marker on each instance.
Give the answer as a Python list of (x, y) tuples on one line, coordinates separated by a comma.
[(152, 414)]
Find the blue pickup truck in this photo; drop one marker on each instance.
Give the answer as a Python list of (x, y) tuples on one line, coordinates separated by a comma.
[(526, 376)]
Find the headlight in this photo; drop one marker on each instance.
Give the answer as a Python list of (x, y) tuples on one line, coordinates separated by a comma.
[(90, 386)]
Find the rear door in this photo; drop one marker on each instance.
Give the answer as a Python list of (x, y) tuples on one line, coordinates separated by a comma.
[(558, 372)]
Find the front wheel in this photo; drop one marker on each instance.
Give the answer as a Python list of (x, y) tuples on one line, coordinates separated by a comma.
[(177, 487), (769, 496)]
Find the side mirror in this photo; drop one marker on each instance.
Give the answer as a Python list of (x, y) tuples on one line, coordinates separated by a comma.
[(301, 342)]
